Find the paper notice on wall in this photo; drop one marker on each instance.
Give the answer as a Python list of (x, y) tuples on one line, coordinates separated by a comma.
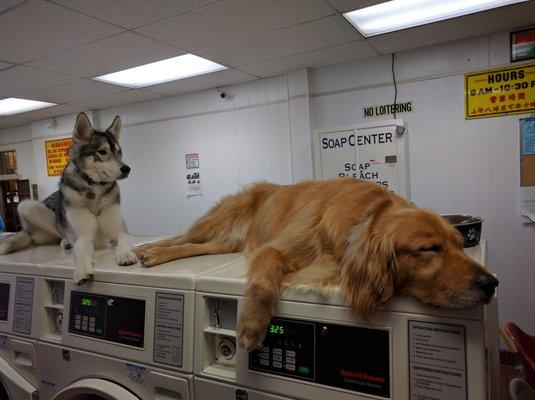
[(193, 183), (527, 202), (437, 361)]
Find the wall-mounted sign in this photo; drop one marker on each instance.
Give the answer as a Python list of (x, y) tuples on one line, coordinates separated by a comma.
[(56, 155), (372, 151), (192, 160), (523, 45), (388, 109), (498, 92)]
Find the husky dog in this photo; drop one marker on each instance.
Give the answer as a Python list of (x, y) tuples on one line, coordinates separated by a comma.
[(85, 211)]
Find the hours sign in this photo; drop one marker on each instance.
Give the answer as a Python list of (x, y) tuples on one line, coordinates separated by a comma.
[(498, 92)]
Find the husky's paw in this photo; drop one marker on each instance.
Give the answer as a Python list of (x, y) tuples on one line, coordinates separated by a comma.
[(65, 244), (250, 333), (126, 258), (81, 277)]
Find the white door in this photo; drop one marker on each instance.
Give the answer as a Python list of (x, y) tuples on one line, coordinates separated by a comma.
[(95, 389), (13, 386)]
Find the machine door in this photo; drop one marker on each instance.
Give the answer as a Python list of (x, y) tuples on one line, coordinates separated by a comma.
[(95, 389), (13, 386)]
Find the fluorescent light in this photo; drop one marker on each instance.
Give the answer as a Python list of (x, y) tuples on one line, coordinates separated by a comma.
[(401, 14), (12, 106), (162, 71)]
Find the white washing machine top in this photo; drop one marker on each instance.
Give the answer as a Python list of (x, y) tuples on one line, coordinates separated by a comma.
[(231, 280), (178, 274), (28, 261)]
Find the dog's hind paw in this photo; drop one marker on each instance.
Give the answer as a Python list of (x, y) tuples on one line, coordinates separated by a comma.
[(127, 258), (150, 257), (5, 247)]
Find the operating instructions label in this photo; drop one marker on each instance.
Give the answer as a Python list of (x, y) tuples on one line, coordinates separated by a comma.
[(437, 361), (168, 328), (22, 314)]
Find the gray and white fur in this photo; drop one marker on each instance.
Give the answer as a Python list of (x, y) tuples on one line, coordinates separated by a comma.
[(85, 211)]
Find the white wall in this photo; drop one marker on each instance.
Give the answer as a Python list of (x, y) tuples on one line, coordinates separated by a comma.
[(263, 132), (456, 166)]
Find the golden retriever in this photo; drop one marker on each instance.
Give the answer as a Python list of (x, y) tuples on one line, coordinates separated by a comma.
[(346, 232)]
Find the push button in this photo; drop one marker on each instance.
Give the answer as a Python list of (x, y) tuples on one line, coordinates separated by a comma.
[(277, 351), (290, 360), (290, 353), (277, 364), (264, 349), (277, 358), (264, 362), (264, 356), (290, 367)]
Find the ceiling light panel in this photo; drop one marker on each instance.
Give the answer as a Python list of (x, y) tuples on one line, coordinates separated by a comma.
[(172, 69), (402, 14), (12, 106)]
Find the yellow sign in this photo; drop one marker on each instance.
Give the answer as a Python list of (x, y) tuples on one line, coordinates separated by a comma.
[(56, 155), (501, 91)]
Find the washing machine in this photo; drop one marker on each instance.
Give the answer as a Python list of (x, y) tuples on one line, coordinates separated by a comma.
[(129, 334), (20, 294), (317, 349)]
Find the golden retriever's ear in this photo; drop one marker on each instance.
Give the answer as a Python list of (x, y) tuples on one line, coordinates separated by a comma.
[(366, 280)]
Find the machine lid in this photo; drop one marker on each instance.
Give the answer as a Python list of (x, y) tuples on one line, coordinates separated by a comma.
[(14, 384), (95, 389), (178, 274), (28, 261), (231, 280)]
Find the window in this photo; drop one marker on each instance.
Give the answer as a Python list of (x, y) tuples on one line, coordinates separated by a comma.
[(8, 162)]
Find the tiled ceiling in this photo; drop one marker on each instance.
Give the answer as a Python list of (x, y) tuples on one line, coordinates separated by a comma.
[(50, 48)]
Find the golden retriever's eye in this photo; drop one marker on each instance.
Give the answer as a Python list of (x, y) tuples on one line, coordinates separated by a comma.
[(103, 152), (436, 248)]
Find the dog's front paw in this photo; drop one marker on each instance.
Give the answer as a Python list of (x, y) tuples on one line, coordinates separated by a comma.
[(150, 257), (81, 276), (250, 333), (5, 247), (126, 258)]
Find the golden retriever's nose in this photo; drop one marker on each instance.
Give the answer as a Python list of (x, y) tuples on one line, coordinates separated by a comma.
[(488, 284)]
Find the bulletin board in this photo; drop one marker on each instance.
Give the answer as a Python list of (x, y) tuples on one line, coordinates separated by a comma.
[(527, 152), (56, 155)]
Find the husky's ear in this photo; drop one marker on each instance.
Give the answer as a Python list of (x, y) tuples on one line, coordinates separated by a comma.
[(82, 129), (115, 127)]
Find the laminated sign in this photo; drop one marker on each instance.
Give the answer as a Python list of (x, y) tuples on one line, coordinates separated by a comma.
[(56, 155), (374, 152), (498, 92)]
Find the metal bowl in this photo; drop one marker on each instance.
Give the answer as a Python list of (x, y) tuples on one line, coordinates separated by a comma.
[(469, 227)]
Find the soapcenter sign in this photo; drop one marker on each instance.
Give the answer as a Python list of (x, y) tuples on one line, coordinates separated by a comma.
[(56, 155), (498, 92), (373, 153)]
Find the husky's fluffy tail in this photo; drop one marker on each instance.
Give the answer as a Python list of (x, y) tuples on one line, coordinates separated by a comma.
[(39, 228)]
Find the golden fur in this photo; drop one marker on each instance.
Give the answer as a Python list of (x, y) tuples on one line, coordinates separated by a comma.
[(371, 242)]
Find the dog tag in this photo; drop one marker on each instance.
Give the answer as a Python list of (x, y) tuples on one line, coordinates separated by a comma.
[(90, 194)]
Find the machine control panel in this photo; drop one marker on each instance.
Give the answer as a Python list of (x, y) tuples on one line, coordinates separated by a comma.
[(344, 356), (111, 318), (4, 300)]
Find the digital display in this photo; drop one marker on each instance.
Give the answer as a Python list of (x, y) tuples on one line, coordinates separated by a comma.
[(4, 300), (276, 329), (89, 302)]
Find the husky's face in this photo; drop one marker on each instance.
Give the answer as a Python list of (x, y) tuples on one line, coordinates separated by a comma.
[(97, 153)]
